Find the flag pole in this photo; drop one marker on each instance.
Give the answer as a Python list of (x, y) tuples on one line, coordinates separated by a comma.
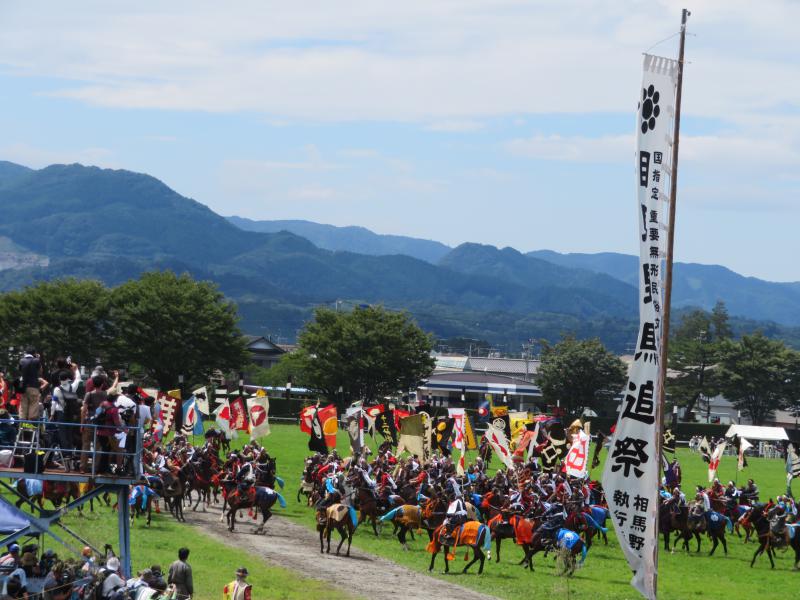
[(673, 196)]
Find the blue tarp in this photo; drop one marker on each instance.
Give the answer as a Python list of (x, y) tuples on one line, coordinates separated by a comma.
[(12, 519)]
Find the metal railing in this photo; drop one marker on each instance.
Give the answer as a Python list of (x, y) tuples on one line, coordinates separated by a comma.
[(47, 444)]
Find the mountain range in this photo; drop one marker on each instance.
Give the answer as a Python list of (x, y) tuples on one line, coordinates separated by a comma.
[(694, 285), (111, 225)]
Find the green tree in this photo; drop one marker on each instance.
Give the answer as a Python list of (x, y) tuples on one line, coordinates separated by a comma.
[(60, 318), (579, 374), (721, 321), (369, 352), (172, 325), (289, 365), (758, 375), (693, 353)]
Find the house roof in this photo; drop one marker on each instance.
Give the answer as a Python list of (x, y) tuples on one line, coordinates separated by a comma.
[(484, 383), (502, 365), (754, 432)]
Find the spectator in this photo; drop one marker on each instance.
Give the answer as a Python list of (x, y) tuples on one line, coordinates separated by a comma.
[(143, 580), (107, 417), (238, 589), (10, 559), (145, 416), (29, 562), (102, 383), (180, 575), (16, 585), (4, 390), (63, 396), (57, 584), (31, 368), (91, 402), (8, 432), (112, 582), (158, 579)]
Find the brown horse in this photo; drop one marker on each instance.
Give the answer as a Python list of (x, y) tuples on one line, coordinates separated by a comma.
[(670, 520), (501, 529), (336, 517), (406, 518), (258, 498), (472, 534), (36, 491)]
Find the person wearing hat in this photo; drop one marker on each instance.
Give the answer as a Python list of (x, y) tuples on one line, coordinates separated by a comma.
[(113, 581), (238, 589), (11, 558)]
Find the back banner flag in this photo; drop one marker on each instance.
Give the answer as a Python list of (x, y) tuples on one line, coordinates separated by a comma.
[(458, 415), (412, 436), (743, 446), (201, 399), (715, 458), (238, 418), (316, 443), (792, 467), (577, 459), (258, 412), (631, 474), (192, 423), (499, 442), (441, 433), (384, 423), (355, 432)]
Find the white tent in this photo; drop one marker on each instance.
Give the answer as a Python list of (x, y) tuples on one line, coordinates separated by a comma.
[(754, 432)]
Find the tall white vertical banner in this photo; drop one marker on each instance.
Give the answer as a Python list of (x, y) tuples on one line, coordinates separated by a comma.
[(631, 474), (458, 416)]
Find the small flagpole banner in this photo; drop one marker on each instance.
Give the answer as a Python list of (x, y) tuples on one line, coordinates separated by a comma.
[(631, 474)]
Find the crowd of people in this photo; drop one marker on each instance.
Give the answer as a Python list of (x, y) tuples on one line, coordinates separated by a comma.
[(69, 406)]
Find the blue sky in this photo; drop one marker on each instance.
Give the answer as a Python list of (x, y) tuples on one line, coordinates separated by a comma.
[(496, 121)]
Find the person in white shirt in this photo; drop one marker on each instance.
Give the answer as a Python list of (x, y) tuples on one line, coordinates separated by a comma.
[(112, 581)]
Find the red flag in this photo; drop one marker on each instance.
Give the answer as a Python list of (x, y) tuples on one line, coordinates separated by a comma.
[(238, 416), (330, 425), (400, 414), (306, 415)]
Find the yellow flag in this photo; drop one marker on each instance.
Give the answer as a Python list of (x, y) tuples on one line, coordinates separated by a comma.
[(469, 433), (260, 393), (174, 394)]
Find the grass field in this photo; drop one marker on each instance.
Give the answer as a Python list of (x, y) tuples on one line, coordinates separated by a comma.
[(605, 574)]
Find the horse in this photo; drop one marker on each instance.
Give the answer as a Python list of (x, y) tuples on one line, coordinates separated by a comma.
[(670, 520), (580, 521), (260, 498), (473, 534), (567, 541), (339, 517), (712, 523), (762, 527), (37, 491), (406, 518), (141, 499), (501, 528), (172, 489)]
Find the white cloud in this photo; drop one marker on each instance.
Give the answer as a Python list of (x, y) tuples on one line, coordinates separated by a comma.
[(432, 61), (456, 126)]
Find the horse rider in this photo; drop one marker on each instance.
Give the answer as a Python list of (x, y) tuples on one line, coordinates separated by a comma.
[(702, 497), (553, 519), (456, 514), (750, 492)]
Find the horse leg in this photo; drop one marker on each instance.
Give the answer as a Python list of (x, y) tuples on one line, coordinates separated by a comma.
[(758, 551), (401, 535), (328, 532), (724, 542), (350, 531), (433, 560), (497, 544), (476, 556), (770, 554), (714, 544), (666, 541), (224, 505), (321, 544), (374, 521), (446, 560), (697, 535), (342, 532)]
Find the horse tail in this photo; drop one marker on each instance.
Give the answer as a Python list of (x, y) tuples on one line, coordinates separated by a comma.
[(730, 523), (593, 523), (353, 516), (584, 552), (281, 500), (279, 480), (390, 515), (487, 539)]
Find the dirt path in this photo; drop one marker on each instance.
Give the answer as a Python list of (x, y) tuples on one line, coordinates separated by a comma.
[(294, 547)]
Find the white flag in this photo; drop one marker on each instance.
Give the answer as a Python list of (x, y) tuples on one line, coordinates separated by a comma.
[(499, 443), (222, 414), (457, 414), (577, 460), (631, 473), (744, 446), (201, 400), (258, 412), (715, 457)]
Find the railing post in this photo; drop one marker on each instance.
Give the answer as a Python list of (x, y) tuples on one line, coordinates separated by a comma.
[(94, 451)]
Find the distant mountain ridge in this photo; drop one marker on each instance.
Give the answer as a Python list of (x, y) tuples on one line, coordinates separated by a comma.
[(112, 225), (698, 285), (350, 239)]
